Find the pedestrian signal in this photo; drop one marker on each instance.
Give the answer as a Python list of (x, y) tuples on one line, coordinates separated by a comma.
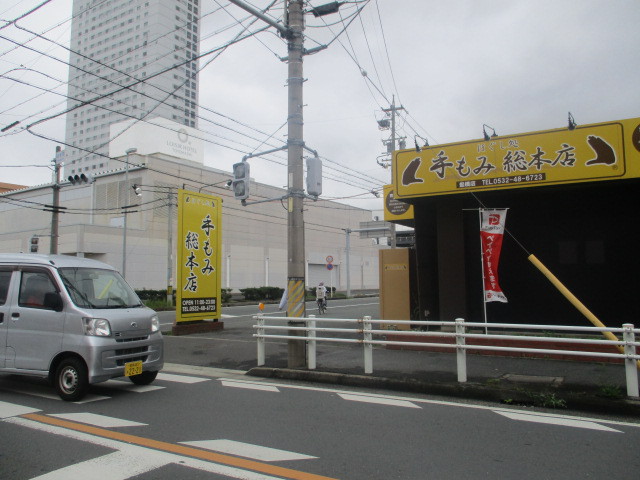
[(33, 245)]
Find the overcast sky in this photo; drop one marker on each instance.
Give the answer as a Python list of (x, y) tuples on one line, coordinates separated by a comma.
[(517, 66)]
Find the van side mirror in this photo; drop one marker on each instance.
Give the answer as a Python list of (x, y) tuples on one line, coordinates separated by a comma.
[(53, 301)]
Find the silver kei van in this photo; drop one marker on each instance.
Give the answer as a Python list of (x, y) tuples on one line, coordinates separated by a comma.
[(75, 321)]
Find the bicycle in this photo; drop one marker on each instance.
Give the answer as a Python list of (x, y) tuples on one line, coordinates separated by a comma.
[(322, 305)]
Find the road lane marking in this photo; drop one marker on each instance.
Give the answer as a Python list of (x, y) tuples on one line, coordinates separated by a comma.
[(551, 420), (36, 393), (443, 403), (126, 462), (168, 377), (126, 385), (249, 385), (179, 450), (8, 410), (378, 400), (97, 420), (247, 450)]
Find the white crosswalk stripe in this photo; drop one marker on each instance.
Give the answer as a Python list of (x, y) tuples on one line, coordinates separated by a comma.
[(133, 460), (249, 385), (556, 420), (247, 450), (100, 391), (102, 421), (169, 377), (378, 400), (8, 410)]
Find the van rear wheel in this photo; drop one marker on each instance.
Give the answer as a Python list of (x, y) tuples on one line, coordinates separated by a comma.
[(71, 379), (144, 378)]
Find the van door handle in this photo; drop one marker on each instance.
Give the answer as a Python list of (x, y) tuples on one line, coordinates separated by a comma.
[(15, 315), (1, 317)]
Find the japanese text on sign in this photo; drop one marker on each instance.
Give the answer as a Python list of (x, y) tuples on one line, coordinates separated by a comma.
[(198, 256), (587, 153)]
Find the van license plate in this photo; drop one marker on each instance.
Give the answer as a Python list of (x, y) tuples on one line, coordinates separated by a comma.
[(133, 368)]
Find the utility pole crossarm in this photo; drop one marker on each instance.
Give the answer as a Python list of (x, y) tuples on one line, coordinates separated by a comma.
[(285, 32)]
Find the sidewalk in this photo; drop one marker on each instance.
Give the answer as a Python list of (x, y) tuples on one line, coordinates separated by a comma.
[(571, 385)]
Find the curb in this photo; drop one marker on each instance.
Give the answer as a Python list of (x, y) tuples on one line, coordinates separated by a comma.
[(568, 397)]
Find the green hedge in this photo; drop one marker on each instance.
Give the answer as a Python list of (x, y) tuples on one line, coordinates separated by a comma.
[(226, 295), (158, 295), (262, 293), (161, 295)]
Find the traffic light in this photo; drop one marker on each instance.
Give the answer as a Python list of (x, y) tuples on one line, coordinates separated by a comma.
[(78, 179), (241, 180), (33, 244)]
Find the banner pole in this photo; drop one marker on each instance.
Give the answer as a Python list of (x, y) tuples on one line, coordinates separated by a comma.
[(484, 293)]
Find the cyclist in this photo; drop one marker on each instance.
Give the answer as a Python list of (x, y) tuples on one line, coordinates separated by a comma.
[(321, 296)]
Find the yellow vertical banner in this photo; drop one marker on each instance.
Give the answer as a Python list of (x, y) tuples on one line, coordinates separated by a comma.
[(198, 256)]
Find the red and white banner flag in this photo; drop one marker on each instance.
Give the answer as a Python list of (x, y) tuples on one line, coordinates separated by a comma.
[(491, 234)]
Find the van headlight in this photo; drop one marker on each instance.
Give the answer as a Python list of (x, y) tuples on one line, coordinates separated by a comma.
[(155, 324), (97, 327)]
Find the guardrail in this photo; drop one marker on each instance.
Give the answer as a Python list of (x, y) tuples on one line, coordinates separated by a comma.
[(365, 332)]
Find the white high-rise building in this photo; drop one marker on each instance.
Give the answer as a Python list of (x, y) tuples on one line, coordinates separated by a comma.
[(131, 59)]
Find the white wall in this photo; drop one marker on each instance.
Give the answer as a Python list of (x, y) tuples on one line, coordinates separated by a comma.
[(93, 228)]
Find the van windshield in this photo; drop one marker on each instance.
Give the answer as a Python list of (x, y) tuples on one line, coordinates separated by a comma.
[(96, 288)]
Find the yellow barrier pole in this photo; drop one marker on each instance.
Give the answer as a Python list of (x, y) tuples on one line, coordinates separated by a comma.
[(575, 302)]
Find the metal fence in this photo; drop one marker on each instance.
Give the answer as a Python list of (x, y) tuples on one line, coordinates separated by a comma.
[(363, 333)]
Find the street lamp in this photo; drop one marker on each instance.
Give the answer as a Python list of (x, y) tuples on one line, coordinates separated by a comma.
[(129, 151)]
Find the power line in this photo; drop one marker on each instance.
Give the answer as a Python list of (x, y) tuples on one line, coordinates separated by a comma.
[(359, 186), (24, 15)]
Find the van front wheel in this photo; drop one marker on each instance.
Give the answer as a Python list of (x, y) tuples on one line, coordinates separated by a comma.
[(144, 378), (71, 379)]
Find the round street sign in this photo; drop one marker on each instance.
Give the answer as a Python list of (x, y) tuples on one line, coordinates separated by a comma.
[(329, 266), (329, 259)]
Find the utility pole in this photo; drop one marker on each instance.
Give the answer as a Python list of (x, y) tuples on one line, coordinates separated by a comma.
[(293, 30), (392, 142), (125, 212), (53, 247), (295, 143), (169, 247)]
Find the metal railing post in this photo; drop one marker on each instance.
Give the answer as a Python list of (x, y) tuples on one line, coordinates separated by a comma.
[(368, 347), (261, 343), (461, 353), (311, 350), (629, 362)]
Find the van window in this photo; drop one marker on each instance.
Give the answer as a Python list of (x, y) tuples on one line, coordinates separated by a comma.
[(5, 278), (97, 288), (33, 287)]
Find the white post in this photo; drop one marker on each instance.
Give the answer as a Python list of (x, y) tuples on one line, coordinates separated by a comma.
[(228, 270), (266, 271), (461, 353), (629, 362), (331, 277), (261, 346), (348, 231), (311, 333), (368, 347)]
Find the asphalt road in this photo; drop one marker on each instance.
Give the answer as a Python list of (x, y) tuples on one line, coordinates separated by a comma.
[(200, 423)]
